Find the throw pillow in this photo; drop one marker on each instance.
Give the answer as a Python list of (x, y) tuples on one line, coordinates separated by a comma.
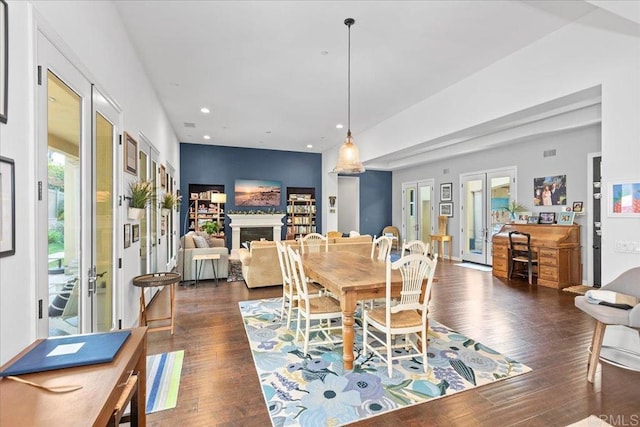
[(200, 242)]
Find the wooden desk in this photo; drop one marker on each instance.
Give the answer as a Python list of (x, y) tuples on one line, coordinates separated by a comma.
[(351, 277), (92, 405), (558, 248)]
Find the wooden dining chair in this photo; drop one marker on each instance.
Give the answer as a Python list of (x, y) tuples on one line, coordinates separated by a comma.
[(521, 254), (314, 242), (322, 308), (415, 247), (393, 231), (333, 234), (442, 237), (408, 317), (289, 291)]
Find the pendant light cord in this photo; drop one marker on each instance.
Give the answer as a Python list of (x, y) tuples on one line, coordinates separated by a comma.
[(349, 22)]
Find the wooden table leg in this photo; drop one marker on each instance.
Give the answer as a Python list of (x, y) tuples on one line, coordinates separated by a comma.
[(173, 295), (142, 318), (348, 303)]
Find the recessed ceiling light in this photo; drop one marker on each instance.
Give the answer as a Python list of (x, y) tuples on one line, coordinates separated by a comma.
[(339, 126), (268, 131), (207, 137), (309, 146), (205, 110), (324, 52)]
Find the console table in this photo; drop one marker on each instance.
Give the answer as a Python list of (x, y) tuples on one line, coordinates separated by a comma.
[(558, 248), (93, 405)]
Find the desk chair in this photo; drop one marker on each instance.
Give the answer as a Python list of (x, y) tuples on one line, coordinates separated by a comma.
[(520, 253), (627, 283), (442, 237), (407, 317), (390, 229)]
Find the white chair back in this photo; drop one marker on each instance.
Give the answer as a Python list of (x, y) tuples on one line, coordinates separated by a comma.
[(383, 246), (415, 247), (313, 243), (298, 277), (415, 268)]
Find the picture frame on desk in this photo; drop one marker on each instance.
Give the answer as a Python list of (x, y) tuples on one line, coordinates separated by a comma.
[(566, 218), (547, 218), (533, 219)]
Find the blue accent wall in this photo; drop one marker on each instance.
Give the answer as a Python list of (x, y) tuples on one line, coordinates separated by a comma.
[(375, 201), (219, 165)]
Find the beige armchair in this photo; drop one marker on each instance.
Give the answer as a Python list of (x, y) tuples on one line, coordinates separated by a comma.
[(187, 268)]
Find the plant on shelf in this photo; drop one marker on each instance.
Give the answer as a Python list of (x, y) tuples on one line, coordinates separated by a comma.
[(140, 195), (169, 201), (210, 227), (513, 208)]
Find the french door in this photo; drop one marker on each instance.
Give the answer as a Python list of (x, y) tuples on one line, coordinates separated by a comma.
[(417, 211), (483, 197), (75, 199)]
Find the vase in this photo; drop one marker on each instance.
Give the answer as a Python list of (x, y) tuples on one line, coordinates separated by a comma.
[(512, 216), (135, 213), (165, 211)]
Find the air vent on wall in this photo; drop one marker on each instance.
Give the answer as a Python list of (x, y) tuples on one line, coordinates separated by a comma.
[(445, 171), (549, 153), (189, 125)]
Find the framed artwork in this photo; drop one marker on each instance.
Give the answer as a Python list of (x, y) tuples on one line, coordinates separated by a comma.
[(532, 219), (577, 207), (550, 190), (255, 192), (163, 177), (446, 209), (547, 218), (127, 235), (446, 192), (624, 198), (7, 207), (566, 218), (163, 225), (130, 154), (4, 60), (135, 232)]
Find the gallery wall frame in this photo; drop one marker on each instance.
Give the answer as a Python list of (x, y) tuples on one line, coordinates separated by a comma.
[(135, 232), (446, 209), (127, 235), (130, 154), (4, 60), (624, 198), (550, 190), (7, 207), (446, 192)]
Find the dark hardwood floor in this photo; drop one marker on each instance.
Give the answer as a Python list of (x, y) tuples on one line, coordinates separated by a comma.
[(535, 325)]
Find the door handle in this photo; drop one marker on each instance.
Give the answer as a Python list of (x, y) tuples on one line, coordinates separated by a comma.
[(91, 279)]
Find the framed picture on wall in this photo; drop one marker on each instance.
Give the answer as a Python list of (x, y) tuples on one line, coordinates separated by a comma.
[(163, 177), (624, 198), (7, 208), (446, 209), (127, 235), (130, 154), (135, 232), (446, 192)]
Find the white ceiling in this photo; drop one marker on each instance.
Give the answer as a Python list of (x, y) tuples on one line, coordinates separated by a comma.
[(274, 73)]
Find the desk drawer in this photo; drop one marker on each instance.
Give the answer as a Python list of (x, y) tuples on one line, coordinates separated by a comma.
[(546, 272), (500, 264), (551, 262), (547, 253)]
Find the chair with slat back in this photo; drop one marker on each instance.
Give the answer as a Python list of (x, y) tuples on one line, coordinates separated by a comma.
[(381, 248), (520, 253), (314, 242), (415, 247), (393, 231)]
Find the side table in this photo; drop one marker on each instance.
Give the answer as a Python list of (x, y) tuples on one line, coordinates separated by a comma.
[(152, 280), (205, 257)]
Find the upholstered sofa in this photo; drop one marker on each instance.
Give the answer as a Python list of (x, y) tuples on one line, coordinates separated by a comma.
[(188, 249), (260, 266)]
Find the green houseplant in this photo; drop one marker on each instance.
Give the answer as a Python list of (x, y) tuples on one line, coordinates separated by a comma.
[(140, 195), (210, 227), (169, 201)]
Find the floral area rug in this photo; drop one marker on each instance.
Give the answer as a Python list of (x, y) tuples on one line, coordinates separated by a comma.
[(316, 390)]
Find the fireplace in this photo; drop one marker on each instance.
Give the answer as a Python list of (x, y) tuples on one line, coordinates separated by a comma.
[(248, 234), (240, 222)]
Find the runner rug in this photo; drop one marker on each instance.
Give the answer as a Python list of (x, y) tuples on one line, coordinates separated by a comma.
[(163, 380), (316, 390)]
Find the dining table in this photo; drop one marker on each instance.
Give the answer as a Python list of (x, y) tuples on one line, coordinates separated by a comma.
[(351, 278)]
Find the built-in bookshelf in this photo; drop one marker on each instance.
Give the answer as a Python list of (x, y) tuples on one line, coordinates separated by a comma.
[(301, 211), (203, 206)]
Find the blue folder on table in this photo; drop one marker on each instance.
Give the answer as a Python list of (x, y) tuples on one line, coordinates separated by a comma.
[(69, 351)]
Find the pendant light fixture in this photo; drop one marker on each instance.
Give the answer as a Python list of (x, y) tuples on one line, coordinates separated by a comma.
[(349, 156)]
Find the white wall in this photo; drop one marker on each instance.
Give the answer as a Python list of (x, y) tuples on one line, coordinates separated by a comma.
[(92, 36), (600, 50)]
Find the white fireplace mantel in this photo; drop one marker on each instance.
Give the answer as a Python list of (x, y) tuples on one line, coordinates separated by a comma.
[(239, 221)]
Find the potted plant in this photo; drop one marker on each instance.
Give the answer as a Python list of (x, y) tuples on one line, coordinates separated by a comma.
[(210, 227), (168, 202), (140, 195), (513, 208)]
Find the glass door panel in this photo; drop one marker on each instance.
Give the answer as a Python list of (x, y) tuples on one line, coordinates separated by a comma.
[(153, 219), (64, 128), (473, 221), (144, 222), (409, 209), (425, 191)]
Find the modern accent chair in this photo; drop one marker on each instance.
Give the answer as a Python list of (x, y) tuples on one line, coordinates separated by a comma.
[(289, 291), (408, 317), (415, 247), (313, 243), (520, 253), (627, 283), (322, 309)]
